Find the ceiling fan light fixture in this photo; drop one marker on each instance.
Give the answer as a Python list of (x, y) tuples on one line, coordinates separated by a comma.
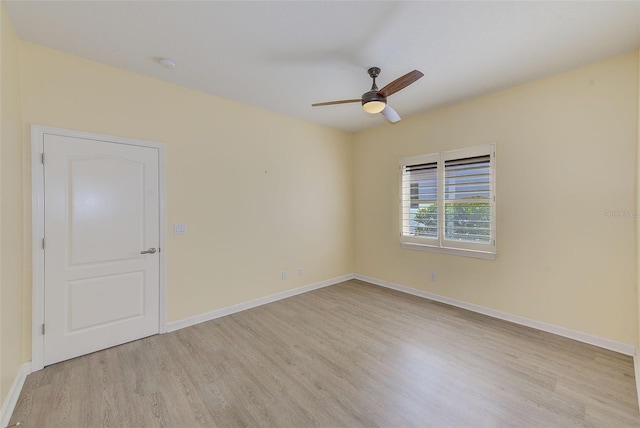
[(372, 102), (374, 107)]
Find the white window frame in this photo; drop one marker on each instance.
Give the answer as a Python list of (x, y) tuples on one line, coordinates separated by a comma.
[(441, 244)]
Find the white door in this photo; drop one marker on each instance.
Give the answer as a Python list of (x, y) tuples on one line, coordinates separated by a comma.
[(101, 211)]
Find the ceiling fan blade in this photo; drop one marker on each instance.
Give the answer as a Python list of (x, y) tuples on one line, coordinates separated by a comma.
[(400, 83), (330, 103), (390, 114)]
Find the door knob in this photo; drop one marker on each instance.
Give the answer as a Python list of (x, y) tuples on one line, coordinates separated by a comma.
[(149, 251)]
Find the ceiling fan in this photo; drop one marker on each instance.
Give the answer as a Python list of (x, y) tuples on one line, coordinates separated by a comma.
[(375, 100)]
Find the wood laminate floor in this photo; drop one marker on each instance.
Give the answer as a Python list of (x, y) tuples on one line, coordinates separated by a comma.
[(348, 355)]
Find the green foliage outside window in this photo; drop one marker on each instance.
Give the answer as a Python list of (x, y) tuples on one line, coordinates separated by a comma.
[(464, 221)]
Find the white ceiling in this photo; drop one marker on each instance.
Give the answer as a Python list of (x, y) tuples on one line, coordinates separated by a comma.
[(283, 56)]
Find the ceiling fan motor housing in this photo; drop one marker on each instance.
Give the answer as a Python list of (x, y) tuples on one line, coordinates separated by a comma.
[(372, 96)]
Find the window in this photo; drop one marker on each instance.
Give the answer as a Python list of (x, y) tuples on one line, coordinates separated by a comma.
[(448, 202)]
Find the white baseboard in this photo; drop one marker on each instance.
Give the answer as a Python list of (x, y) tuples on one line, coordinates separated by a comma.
[(14, 392), (623, 348), (187, 322), (636, 366), (601, 342)]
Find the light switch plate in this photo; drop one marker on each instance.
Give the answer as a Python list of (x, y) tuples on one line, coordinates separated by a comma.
[(179, 229)]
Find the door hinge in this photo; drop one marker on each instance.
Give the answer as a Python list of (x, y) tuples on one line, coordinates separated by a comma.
[(42, 158), (42, 329), (43, 243)]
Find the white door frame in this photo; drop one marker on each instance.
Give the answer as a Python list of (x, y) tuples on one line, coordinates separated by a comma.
[(37, 228)]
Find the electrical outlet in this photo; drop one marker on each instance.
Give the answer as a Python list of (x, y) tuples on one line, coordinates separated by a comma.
[(300, 272), (284, 275), (433, 276)]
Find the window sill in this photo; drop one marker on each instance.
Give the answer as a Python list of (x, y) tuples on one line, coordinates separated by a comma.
[(452, 251)]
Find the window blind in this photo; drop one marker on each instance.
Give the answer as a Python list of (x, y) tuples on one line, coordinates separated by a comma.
[(420, 210), (467, 194)]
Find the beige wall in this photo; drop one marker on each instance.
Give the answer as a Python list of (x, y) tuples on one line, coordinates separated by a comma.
[(259, 192), (11, 238), (565, 155)]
